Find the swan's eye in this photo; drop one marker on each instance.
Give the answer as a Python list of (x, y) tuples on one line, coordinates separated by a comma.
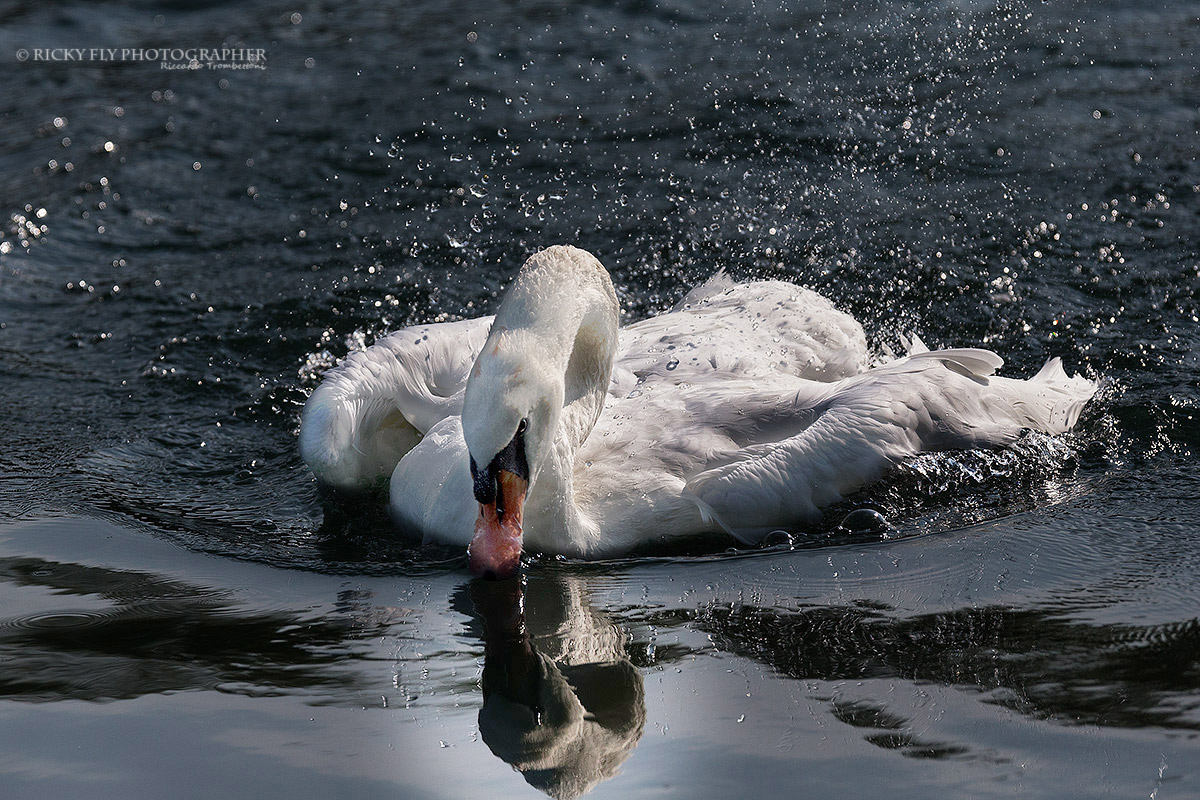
[(522, 425)]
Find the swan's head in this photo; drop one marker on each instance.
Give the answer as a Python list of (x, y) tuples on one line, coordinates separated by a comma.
[(510, 414), (554, 339)]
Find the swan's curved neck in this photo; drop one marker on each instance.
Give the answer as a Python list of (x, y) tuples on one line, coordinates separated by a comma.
[(554, 339), (586, 379)]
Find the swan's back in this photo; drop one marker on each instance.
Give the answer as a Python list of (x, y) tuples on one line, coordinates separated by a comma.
[(375, 406), (761, 328)]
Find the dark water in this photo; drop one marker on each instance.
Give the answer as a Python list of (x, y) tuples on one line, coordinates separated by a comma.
[(185, 251)]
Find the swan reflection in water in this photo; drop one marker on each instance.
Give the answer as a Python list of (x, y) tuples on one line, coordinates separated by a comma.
[(562, 703)]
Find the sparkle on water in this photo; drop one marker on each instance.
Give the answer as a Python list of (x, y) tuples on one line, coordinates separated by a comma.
[(184, 253)]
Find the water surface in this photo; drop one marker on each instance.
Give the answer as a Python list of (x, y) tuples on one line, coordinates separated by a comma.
[(184, 252)]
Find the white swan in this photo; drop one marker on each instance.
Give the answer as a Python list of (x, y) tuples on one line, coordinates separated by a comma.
[(747, 408)]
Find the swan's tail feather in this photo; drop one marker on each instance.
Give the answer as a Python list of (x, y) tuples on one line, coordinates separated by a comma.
[(1051, 400), (910, 344), (1052, 370), (914, 346), (990, 410)]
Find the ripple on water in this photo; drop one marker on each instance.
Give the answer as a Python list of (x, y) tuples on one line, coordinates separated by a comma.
[(59, 621)]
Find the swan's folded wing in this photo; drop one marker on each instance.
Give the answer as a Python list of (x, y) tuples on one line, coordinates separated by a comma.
[(374, 407), (787, 483), (939, 400)]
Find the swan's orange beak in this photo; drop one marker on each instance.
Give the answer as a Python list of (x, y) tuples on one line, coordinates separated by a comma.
[(495, 552)]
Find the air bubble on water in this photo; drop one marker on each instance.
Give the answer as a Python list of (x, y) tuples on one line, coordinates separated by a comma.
[(778, 538), (864, 520)]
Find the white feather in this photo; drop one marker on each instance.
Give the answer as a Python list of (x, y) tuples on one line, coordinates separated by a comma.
[(746, 408), (378, 403)]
